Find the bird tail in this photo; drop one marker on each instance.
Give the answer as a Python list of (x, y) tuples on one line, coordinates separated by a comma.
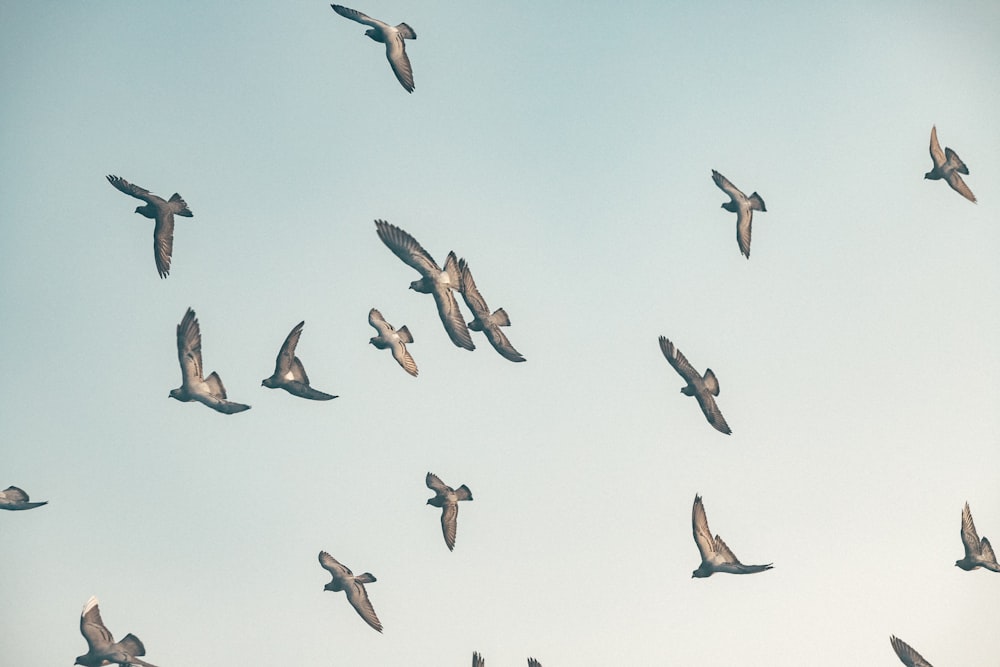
[(132, 645), (757, 203), (180, 206), (463, 493), (405, 31), (215, 385), (711, 382), (404, 334), (366, 578), (500, 317)]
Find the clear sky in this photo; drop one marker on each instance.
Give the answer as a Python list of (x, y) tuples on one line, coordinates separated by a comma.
[(567, 155)]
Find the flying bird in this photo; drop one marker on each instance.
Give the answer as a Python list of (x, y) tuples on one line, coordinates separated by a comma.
[(703, 388), (102, 649), (392, 37), (195, 387), (447, 499), (743, 207), (949, 166), (290, 374), (353, 586), (715, 555), (434, 280), (394, 339), (163, 211), (906, 654), (483, 320), (13, 498), (978, 553)]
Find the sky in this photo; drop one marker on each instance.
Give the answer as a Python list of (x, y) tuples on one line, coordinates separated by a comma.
[(567, 155)]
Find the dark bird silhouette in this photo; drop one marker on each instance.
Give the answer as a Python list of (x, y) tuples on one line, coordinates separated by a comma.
[(715, 555), (163, 212), (353, 586), (447, 499), (102, 649), (703, 388), (290, 374), (948, 167)]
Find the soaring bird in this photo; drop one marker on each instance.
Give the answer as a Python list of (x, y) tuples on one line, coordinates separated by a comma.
[(102, 649), (447, 499), (13, 498), (703, 388), (163, 211), (715, 555), (483, 320), (743, 207), (949, 166), (195, 387), (435, 280), (394, 339), (978, 553), (290, 374), (906, 654), (353, 586), (392, 37)]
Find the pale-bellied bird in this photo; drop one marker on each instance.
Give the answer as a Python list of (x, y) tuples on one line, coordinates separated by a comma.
[(948, 166), (715, 555), (353, 586), (290, 374), (194, 386), (394, 339), (447, 499), (392, 37), (13, 498), (743, 207), (703, 387), (163, 212), (102, 649), (978, 553)]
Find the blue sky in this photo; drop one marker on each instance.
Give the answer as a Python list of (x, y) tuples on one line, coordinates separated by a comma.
[(567, 155)]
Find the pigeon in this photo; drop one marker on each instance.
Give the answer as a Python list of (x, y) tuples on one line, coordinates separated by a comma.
[(478, 660), (435, 281), (195, 387), (977, 553), (483, 320), (948, 165), (395, 49), (393, 339), (290, 374), (13, 498), (102, 649), (906, 654), (161, 211), (715, 555), (447, 499), (703, 388), (743, 207), (353, 586)]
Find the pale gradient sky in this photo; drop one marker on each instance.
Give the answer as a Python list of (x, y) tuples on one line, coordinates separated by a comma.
[(567, 154)]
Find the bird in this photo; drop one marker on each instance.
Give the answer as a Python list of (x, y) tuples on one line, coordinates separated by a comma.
[(290, 374), (353, 586), (949, 166), (163, 211), (703, 388), (394, 339), (906, 654), (478, 660), (435, 280), (447, 499), (392, 37), (743, 207), (978, 553), (483, 321), (715, 555), (13, 498), (102, 649), (195, 387)]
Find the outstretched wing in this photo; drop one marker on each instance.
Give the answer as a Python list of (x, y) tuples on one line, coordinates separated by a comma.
[(726, 186), (189, 348), (407, 248), (470, 293), (699, 527), (744, 222), (285, 361), (970, 538), (163, 240), (712, 413), (958, 184), (906, 654), (937, 155), (358, 597), (678, 361), (355, 15), (133, 190), (395, 52), (449, 524), (333, 566), (92, 627), (435, 484)]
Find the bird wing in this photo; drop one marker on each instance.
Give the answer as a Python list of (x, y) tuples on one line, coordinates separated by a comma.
[(407, 249), (451, 317), (702, 534), (744, 221), (726, 186), (92, 627), (449, 524), (358, 597), (470, 293), (395, 52), (712, 413), (376, 320), (958, 185), (937, 155), (906, 653), (333, 566), (678, 361), (355, 15), (533, 663), (970, 538), (478, 660), (189, 348), (498, 339), (403, 357), (163, 240), (285, 361), (435, 484), (725, 552), (133, 190)]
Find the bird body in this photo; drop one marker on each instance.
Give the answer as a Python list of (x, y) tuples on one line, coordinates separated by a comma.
[(290, 374), (716, 556), (392, 37), (948, 167), (102, 649), (353, 587), (13, 498), (978, 553), (163, 212), (703, 387), (194, 386), (447, 499), (743, 207), (393, 339)]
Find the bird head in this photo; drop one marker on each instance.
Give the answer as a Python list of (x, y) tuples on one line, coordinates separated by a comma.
[(176, 393)]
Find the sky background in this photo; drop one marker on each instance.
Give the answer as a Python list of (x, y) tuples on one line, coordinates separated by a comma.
[(567, 155)]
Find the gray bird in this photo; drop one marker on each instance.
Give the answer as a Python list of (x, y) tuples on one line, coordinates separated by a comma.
[(483, 320), (447, 499), (163, 212), (13, 498), (478, 660), (195, 387), (102, 649), (948, 166), (906, 654), (743, 207), (435, 280), (392, 37), (394, 339), (290, 374), (703, 388), (715, 555), (353, 586), (978, 553)]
